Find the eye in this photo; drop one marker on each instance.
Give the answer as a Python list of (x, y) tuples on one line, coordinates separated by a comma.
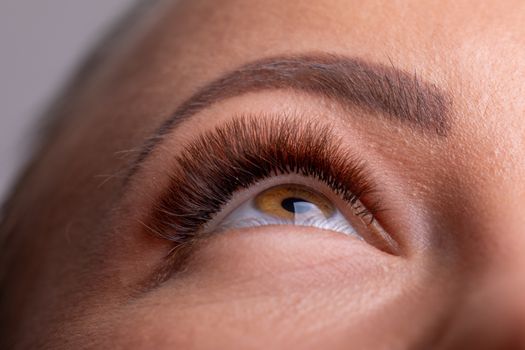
[(255, 172), (295, 205)]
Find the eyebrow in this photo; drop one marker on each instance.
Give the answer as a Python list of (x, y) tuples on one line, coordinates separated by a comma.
[(375, 88)]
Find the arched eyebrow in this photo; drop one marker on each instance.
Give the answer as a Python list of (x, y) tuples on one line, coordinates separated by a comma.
[(379, 89)]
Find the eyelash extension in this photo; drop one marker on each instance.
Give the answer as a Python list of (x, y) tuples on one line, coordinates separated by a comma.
[(241, 152)]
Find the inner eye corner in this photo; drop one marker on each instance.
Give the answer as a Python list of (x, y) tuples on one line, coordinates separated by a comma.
[(386, 243)]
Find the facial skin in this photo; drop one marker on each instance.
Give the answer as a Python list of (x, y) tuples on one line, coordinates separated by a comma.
[(78, 248)]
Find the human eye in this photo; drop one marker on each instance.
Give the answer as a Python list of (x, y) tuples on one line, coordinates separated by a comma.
[(291, 200), (253, 173), (288, 204)]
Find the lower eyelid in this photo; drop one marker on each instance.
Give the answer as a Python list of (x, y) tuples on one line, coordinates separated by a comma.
[(272, 241), (255, 251)]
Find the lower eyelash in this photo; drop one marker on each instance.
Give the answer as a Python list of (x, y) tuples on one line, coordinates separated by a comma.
[(243, 151)]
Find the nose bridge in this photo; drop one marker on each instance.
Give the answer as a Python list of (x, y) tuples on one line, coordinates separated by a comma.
[(490, 314), (491, 317), (488, 162), (493, 224), (491, 227), (497, 224)]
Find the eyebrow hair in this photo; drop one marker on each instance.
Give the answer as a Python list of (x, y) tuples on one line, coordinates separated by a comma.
[(353, 82)]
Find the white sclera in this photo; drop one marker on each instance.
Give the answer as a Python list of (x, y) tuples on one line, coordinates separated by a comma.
[(306, 214)]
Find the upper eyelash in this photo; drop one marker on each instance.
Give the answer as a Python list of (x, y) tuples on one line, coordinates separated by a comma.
[(243, 151)]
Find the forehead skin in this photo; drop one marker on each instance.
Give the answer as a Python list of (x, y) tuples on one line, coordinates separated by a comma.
[(61, 285)]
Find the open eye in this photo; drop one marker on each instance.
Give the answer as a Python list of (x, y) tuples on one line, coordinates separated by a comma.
[(290, 204), (254, 172)]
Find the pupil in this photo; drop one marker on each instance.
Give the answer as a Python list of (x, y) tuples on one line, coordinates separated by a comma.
[(296, 205)]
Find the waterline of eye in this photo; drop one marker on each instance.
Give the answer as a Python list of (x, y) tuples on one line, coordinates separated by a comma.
[(337, 224)]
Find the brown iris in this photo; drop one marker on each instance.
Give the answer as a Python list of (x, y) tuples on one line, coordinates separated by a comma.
[(288, 201)]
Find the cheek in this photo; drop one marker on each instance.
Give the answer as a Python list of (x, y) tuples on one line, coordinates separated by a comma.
[(283, 289)]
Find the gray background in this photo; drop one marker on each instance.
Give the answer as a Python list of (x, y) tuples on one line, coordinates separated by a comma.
[(41, 42)]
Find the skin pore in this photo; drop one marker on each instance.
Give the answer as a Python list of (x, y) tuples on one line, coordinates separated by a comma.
[(78, 236)]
